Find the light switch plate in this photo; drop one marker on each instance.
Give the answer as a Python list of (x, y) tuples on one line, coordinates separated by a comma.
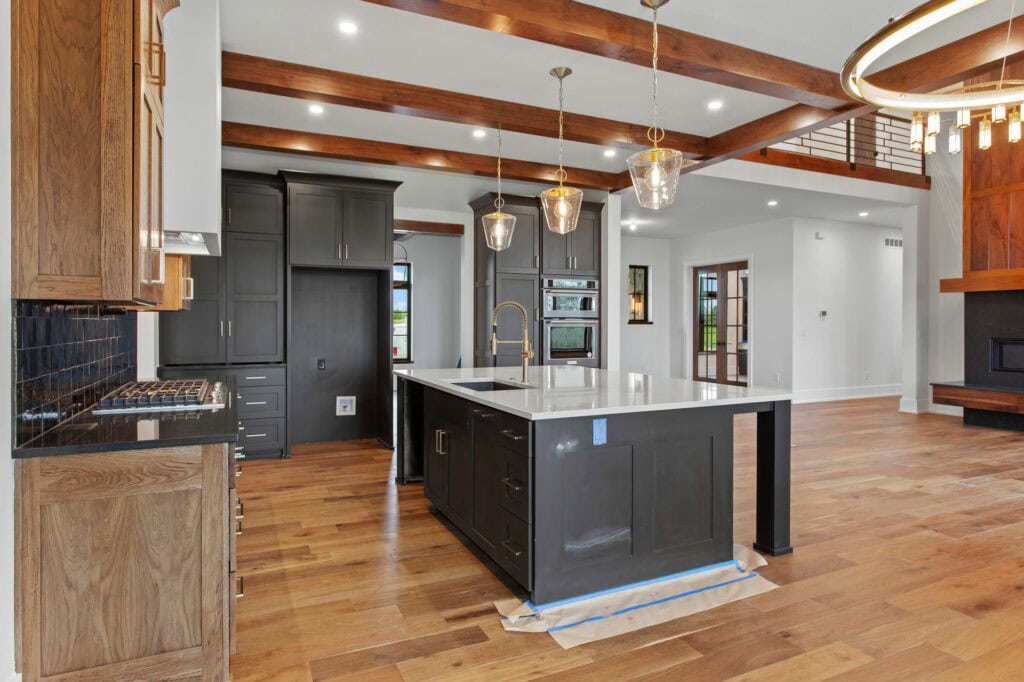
[(345, 405)]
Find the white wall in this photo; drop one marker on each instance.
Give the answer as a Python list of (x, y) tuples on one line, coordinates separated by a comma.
[(436, 296), (847, 271), (6, 464), (645, 347), (768, 248)]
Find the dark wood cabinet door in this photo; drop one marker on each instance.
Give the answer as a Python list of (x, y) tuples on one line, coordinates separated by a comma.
[(196, 336), (314, 226), (486, 519), (367, 230), (523, 255), (586, 245), (556, 253), (435, 464), (525, 290), (457, 446), (255, 297), (253, 207)]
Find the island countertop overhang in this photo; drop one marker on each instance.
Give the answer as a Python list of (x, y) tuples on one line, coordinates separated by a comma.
[(561, 392)]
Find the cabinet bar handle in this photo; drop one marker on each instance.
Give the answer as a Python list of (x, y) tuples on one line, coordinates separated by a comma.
[(513, 484), (256, 435), (239, 455), (477, 412), (229, 327), (258, 402), (238, 470), (444, 442), (509, 433), (536, 261), (239, 510), (437, 441), (339, 250), (511, 549), (536, 314), (568, 262), (222, 327), (239, 587), (229, 215), (238, 526), (188, 288), (255, 378), (346, 251)]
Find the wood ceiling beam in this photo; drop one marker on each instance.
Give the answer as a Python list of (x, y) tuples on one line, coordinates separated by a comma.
[(942, 67), (371, 151), (585, 28), (257, 74), (428, 227)]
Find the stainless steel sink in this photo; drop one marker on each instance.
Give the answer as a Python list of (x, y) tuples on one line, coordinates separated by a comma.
[(489, 385)]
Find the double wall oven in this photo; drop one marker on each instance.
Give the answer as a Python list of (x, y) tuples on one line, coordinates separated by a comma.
[(571, 322)]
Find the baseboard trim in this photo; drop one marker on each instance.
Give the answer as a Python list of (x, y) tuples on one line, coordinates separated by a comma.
[(822, 395), (913, 406), (948, 410)]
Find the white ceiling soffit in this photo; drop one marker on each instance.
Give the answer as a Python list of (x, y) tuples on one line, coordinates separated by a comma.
[(409, 48)]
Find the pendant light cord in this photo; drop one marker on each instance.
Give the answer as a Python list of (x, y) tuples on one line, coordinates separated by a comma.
[(499, 202), (1006, 49), (654, 67), (561, 123)]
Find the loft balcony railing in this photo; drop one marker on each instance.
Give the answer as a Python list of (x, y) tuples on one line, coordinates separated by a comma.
[(877, 140)]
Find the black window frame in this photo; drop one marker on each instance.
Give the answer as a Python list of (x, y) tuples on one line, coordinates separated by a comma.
[(405, 285), (645, 317)]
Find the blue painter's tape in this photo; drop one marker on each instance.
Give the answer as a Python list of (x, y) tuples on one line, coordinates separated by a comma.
[(600, 431)]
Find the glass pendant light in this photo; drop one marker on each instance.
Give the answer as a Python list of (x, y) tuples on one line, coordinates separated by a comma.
[(561, 205), (498, 226), (985, 134), (955, 141), (655, 171), (963, 118), (930, 144), (934, 124), (917, 133), (998, 113), (1014, 126)]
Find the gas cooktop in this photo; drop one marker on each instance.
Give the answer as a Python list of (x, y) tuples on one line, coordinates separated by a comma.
[(163, 396)]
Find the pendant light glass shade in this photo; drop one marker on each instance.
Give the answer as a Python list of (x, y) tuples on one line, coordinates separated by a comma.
[(985, 134), (498, 226), (934, 124), (655, 171), (1013, 127), (955, 141), (561, 206), (999, 113), (930, 145), (917, 132), (655, 175), (963, 118)]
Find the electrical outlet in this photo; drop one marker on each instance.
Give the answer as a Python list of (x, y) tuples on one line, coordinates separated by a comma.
[(345, 405)]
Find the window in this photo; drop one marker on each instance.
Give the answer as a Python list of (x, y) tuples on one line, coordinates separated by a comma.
[(401, 349), (639, 304)]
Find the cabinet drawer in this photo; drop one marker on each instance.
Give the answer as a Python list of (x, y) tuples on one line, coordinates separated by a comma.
[(261, 435), (514, 477), (258, 376), (515, 549), (448, 407), (255, 403), (514, 433)]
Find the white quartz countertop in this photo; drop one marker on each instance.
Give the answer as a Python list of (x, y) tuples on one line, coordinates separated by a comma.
[(561, 391)]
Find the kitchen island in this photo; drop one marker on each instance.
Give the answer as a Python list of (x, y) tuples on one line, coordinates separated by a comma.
[(581, 480)]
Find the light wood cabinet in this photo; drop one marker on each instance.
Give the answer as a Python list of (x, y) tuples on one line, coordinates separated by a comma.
[(123, 565), (178, 286), (87, 124)]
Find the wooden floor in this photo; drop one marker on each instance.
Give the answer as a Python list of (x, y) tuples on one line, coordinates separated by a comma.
[(909, 564)]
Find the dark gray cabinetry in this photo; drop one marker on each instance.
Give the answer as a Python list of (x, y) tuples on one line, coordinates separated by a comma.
[(196, 336), (338, 222), (449, 456), (525, 290), (579, 252), (252, 203)]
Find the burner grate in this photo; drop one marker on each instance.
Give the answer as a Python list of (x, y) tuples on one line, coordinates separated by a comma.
[(155, 395)]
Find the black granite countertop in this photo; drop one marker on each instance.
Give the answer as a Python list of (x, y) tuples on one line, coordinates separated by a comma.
[(88, 433)]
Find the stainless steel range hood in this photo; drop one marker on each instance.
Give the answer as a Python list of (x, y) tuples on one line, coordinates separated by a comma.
[(192, 138)]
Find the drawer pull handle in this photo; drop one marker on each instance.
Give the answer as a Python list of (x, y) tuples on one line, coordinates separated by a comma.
[(238, 470), (255, 378), (512, 549), (238, 525), (239, 587), (239, 510), (258, 402), (477, 412), (509, 433), (255, 435), (239, 455), (514, 485)]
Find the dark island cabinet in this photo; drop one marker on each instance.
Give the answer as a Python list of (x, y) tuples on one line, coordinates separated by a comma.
[(252, 203), (579, 252), (339, 222), (449, 457)]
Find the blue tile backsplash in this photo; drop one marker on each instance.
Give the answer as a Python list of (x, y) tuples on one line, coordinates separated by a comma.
[(66, 357)]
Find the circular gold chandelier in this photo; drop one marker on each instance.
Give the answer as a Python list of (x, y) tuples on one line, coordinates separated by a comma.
[(1001, 100)]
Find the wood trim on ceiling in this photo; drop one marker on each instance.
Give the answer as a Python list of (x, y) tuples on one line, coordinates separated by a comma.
[(372, 151), (820, 164), (585, 28), (257, 74), (428, 227)]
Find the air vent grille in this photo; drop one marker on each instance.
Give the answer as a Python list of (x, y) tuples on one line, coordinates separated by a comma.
[(894, 243)]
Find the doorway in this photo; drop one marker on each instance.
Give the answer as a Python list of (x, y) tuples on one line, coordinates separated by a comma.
[(720, 323)]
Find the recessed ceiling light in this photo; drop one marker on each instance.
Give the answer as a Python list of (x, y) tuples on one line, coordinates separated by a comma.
[(632, 227), (479, 133), (348, 28), (773, 202), (863, 214), (609, 153), (316, 109), (715, 105)]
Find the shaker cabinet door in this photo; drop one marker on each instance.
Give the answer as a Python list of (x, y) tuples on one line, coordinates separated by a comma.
[(196, 336), (314, 226), (586, 245), (523, 254), (525, 290), (556, 253), (255, 297), (253, 207), (366, 230)]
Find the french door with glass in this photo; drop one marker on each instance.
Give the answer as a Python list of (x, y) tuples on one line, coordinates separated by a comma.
[(720, 324)]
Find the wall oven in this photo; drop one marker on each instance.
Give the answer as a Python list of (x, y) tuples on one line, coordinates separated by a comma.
[(571, 342), (571, 298)]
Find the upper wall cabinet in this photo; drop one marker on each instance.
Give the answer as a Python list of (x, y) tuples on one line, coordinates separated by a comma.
[(339, 222), (522, 257), (576, 253), (87, 129), (252, 203)]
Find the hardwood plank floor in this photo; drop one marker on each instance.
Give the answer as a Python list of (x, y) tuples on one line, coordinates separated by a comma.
[(909, 563)]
